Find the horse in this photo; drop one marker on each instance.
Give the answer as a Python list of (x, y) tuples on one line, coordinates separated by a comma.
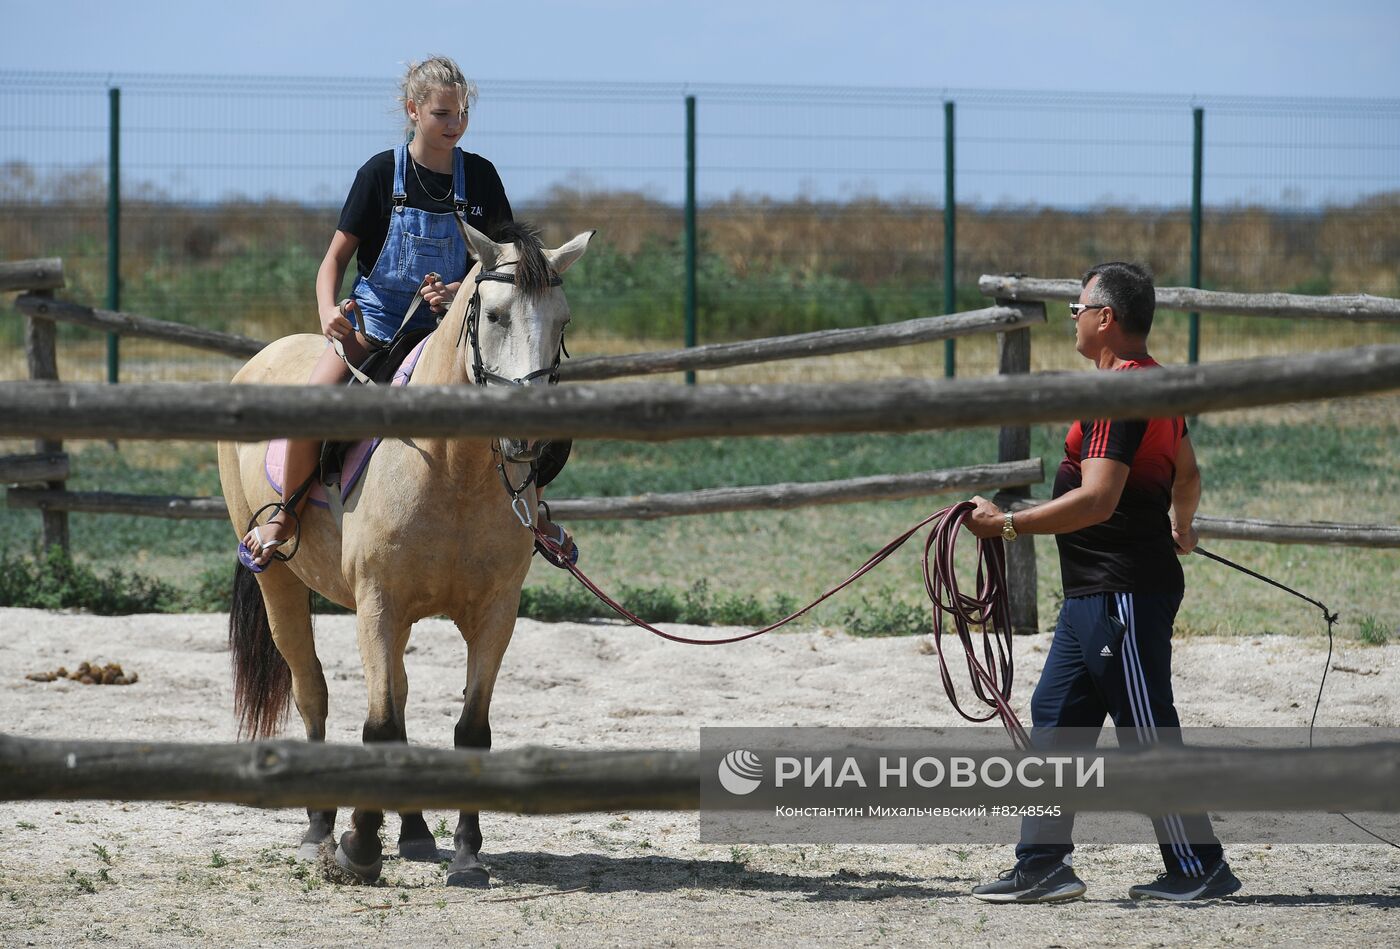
[(427, 530)]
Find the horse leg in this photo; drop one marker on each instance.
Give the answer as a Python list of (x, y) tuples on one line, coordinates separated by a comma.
[(484, 652), (382, 641), (416, 841), (289, 616)]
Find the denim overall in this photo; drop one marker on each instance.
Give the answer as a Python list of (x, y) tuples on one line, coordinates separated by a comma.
[(418, 243)]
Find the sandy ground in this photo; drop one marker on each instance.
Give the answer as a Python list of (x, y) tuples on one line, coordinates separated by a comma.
[(170, 874)]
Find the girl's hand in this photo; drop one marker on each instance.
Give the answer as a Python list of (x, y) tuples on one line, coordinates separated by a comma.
[(335, 324), (439, 295)]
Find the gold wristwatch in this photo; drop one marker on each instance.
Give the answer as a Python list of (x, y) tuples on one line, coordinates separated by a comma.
[(1008, 527)]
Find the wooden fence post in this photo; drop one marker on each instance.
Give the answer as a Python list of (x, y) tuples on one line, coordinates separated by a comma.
[(1014, 444), (40, 346)]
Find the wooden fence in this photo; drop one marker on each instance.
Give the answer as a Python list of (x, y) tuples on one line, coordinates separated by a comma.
[(1011, 321), (1357, 307), (533, 780), (973, 478), (1013, 399)]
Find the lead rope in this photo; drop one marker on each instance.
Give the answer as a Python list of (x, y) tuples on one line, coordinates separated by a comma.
[(1331, 619), (991, 683)]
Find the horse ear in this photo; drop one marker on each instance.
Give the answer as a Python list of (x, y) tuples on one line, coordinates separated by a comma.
[(562, 258), (482, 247)]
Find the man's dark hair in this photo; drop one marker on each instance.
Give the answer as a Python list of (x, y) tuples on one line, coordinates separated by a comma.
[(1128, 289)]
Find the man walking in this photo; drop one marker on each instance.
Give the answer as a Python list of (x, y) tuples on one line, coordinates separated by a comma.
[(1124, 499)]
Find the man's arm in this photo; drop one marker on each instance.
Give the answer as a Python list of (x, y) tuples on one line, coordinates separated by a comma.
[(1186, 497), (1093, 502)]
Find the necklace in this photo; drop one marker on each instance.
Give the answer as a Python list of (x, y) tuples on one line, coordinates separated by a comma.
[(440, 200)]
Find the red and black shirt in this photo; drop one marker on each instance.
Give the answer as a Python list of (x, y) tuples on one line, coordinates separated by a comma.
[(1132, 551)]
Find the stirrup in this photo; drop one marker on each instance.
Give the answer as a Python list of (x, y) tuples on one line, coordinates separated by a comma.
[(245, 556), (557, 559)]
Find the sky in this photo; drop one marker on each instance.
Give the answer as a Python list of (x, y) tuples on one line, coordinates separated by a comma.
[(212, 141), (1209, 47)]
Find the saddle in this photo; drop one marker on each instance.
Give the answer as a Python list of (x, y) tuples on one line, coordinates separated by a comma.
[(380, 366), (346, 461)]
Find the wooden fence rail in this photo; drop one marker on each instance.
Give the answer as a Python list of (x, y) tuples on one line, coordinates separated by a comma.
[(170, 507), (129, 324), (652, 412), (45, 273), (1319, 533), (805, 345), (1358, 307), (536, 780), (632, 507), (753, 498), (22, 469)]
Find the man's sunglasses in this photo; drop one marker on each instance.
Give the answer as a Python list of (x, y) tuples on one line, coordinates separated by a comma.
[(1077, 308)]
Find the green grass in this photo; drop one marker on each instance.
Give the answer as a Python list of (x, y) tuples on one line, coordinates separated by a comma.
[(1331, 462)]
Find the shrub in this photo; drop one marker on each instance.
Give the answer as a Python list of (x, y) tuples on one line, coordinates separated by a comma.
[(886, 615), (52, 581), (696, 606), (551, 604)]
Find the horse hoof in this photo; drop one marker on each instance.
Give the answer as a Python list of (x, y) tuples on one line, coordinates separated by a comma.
[(419, 849), (366, 872), (473, 876), (309, 851)]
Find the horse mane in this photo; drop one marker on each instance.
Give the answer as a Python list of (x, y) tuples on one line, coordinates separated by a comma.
[(533, 273)]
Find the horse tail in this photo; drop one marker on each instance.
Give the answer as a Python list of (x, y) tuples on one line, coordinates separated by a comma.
[(262, 680)]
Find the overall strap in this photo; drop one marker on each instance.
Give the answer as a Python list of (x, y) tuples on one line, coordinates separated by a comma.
[(459, 180), (400, 191)]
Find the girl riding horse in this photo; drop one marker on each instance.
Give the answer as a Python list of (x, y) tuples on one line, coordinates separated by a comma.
[(398, 222)]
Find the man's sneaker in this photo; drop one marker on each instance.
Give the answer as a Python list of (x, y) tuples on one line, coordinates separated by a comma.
[(1044, 885), (1218, 881)]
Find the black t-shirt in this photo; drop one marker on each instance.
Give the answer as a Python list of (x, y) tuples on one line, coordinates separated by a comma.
[(368, 205), (1132, 551)]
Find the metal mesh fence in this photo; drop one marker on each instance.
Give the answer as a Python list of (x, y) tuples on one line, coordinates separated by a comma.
[(817, 207)]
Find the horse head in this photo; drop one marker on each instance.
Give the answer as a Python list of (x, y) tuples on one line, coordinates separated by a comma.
[(517, 314)]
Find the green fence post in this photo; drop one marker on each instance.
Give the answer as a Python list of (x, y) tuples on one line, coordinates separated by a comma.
[(950, 289), (690, 230), (1193, 342), (114, 226)]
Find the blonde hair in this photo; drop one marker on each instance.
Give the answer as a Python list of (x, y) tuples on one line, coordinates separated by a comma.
[(432, 74)]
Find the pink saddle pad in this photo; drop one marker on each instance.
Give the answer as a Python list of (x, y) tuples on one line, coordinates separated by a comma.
[(356, 459)]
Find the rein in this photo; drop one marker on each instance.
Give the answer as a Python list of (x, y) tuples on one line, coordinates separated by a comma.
[(987, 609)]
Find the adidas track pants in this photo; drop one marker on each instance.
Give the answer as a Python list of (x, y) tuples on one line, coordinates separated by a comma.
[(1111, 657)]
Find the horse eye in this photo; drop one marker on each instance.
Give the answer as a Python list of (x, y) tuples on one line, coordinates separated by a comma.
[(492, 316)]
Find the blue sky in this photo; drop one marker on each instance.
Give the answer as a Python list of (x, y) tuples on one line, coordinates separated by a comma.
[(209, 141), (1221, 47)]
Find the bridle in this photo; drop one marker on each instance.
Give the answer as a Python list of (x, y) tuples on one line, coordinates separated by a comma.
[(482, 376), (471, 327)]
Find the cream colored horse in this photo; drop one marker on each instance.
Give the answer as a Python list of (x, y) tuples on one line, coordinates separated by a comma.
[(429, 530)]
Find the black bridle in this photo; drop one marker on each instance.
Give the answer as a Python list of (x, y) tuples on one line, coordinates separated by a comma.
[(483, 376), (472, 327)]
